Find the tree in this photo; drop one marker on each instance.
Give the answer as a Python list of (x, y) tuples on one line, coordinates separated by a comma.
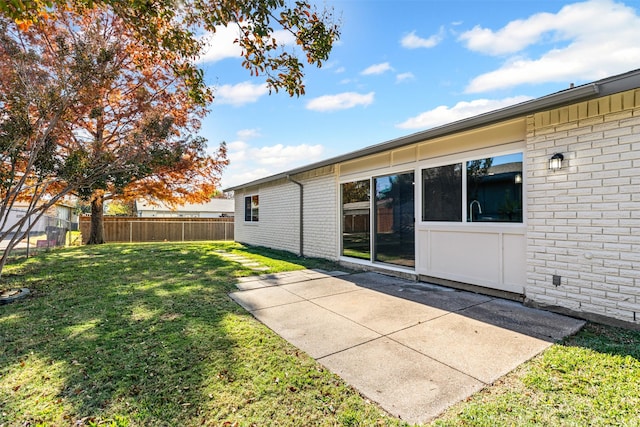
[(140, 114), (48, 89), (171, 28), (90, 113), (34, 166), (119, 208)]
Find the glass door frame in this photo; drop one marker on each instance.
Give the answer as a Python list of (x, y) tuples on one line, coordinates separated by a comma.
[(375, 221)]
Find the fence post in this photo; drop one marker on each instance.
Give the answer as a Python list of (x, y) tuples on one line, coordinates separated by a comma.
[(130, 231)]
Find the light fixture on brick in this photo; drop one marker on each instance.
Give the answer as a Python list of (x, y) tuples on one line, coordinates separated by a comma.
[(555, 162)]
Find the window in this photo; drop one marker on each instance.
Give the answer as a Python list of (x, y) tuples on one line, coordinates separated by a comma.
[(442, 193), (251, 208), (494, 189), (356, 219)]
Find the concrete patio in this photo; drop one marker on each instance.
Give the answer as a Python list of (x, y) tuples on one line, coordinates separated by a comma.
[(412, 347)]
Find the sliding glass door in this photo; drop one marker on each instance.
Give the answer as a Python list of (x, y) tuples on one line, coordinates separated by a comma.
[(356, 198), (394, 220)]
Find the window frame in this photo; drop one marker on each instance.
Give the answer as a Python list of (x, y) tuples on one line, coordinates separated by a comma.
[(249, 208), (467, 218), (374, 217), (423, 198), (341, 232), (463, 158)]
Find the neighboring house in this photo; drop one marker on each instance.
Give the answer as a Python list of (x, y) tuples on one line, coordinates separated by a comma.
[(477, 204), (60, 215), (215, 208)]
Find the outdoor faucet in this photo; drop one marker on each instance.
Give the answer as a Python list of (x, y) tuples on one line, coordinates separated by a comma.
[(471, 209)]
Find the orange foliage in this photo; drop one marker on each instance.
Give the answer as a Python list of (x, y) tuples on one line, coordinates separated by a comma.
[(126, 119)]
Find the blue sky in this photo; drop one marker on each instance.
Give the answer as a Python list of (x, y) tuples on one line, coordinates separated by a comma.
[(404, 66)]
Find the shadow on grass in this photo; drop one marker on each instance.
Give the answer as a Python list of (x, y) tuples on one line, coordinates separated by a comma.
[(614, 341), (146, 334), (296, 261), (118, 330)]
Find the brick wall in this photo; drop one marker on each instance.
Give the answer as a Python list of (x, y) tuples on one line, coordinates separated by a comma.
[(279, 224), (583, 221), (320, 217)]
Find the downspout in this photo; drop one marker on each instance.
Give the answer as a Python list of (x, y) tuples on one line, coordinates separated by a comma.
[(301, 217)]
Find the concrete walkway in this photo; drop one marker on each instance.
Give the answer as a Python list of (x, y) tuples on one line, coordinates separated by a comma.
[(414, 348), (245, 262)]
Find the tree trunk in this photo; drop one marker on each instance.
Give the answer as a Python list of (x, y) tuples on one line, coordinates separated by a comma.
[(96, 236)]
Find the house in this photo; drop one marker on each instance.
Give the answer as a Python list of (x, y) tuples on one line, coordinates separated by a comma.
[(214, 208), (61, 215), (538, 202)]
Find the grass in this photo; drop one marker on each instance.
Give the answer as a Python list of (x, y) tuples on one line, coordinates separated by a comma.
[(146, 335), (590, 379)]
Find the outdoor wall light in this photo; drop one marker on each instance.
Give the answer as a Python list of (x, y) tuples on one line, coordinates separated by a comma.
[(555, 162), (518, 179)]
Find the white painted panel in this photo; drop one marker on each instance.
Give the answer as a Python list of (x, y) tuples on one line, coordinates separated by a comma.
[(515, 261), (494, 257), (472, 257)]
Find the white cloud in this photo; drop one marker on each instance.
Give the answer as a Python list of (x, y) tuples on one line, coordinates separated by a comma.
[(248, 133), (589, 40), (377, 69), (237, 151), (248, 163), (221, 43), (283, 38), (237, 146), (412, 41), (334, 66), (286, 155), (234, 176), (240, 94), (341, 101), (514, 37), (442, 115), (403, 77)]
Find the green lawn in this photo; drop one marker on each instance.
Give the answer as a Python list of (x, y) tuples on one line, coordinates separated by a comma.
[(145, 335), (591, 379)]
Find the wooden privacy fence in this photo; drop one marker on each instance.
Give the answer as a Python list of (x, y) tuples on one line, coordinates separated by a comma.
[(135, 229)]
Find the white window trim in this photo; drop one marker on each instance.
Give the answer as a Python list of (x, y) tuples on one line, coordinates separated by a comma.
[(463, 158), (244, 209)]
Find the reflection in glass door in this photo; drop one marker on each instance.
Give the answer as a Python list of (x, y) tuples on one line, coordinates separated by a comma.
[(394, 219), (356, 197)]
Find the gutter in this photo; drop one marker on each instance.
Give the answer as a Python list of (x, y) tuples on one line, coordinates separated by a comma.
[(301, 239)]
